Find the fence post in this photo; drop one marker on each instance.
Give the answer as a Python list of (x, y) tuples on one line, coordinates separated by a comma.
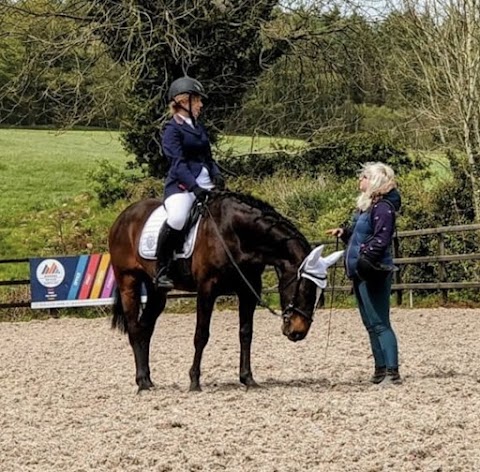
[(441, 267), (398, 275)]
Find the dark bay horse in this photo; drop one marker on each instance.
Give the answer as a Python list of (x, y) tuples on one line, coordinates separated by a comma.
[(236, 230)]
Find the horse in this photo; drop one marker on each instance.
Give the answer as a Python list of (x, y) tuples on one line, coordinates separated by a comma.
[(237, 237)]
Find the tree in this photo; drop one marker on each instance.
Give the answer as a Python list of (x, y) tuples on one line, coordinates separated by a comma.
[(332, 79), (223, 44), (55, 69), (440, 55)]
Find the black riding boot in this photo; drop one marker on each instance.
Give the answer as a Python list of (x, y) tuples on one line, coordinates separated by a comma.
[(165, 247)]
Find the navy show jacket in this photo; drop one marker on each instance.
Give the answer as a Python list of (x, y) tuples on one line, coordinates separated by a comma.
[(187, 150)]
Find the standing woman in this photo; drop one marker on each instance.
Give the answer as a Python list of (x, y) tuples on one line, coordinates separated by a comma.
[(369, 263), (192, 172)]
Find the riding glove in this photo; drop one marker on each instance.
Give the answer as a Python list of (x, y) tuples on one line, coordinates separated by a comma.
[(201, 193), (219, 182)]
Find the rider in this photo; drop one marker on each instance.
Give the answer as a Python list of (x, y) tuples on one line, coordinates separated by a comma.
[(192, 172)]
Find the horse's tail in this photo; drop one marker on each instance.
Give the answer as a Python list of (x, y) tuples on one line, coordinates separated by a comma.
[(119, 320)]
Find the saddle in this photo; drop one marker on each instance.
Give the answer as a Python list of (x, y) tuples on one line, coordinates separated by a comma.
[(147, 246)]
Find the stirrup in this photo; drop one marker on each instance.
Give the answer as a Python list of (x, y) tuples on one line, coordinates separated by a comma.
[(161, 280)]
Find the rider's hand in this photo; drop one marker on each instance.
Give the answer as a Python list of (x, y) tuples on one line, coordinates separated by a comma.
[(337, 232), (201, 193), (219, 182)]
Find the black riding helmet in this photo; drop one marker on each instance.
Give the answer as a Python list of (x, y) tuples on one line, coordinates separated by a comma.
[(186, 85)]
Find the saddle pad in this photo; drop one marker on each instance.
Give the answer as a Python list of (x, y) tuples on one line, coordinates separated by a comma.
[(147, 246)]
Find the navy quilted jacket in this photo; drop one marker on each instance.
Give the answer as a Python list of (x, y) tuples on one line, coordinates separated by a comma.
[(371, 232)]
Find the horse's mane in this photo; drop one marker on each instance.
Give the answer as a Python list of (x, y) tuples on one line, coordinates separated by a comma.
[(252, 201), (266, 209)]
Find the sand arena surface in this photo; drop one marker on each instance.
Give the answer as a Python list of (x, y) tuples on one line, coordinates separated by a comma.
[(68, 398)]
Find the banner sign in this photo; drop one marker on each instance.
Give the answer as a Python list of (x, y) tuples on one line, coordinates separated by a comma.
[(71, 281)]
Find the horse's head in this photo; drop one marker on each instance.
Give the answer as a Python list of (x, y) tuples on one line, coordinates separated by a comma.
[(298, 304), (298, 292)]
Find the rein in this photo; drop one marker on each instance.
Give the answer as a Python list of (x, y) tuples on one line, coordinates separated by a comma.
[(290, 307), (260, 301)]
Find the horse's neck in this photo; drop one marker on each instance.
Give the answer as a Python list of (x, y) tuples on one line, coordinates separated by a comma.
[(263, 235), (278, 243)]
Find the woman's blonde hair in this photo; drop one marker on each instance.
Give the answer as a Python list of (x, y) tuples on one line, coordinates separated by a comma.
[(381, 179), (173, 105)]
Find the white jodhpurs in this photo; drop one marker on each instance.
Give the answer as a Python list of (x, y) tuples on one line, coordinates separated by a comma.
[(178, 207)]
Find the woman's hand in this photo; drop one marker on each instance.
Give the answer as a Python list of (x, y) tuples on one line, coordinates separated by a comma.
[(219, 182), (337, 232), (201, 193)]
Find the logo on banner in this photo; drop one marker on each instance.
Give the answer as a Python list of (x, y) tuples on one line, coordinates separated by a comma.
[(50, 273)]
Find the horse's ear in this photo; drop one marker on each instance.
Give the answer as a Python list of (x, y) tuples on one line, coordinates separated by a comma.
[(333, 257), (311, 260)]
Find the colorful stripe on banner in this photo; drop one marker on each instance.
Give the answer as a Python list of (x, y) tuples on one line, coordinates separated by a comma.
[(78, 277), (109, 283), (89, 276), (100, 277)]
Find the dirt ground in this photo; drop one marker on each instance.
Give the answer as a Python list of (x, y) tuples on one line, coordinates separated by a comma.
[(68, 398)]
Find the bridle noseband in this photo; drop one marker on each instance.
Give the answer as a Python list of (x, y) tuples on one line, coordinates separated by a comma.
[(290, 309)]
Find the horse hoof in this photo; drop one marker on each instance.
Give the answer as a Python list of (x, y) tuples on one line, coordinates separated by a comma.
[(252, 385), (195, 388), (145, 385), (249, 382)]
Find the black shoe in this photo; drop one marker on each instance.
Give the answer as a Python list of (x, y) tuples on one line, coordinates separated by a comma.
[(378, 375), (392, 377)]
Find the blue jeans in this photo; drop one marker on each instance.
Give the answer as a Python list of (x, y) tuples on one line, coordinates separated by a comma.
[(374, 305)]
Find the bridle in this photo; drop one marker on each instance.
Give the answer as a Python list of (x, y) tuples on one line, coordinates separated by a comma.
[(290, 309)]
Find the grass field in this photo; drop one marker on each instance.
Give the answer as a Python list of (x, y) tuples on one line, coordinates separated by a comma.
[(249, 144), (45, 174), (42, 169)]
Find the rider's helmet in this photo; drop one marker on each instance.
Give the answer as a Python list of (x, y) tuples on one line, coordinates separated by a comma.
[(185, 85)]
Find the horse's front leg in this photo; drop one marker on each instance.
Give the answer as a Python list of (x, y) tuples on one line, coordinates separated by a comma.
[(205, 303), (247, 305)]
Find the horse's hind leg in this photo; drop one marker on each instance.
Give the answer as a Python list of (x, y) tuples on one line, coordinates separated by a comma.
[(140, 329)]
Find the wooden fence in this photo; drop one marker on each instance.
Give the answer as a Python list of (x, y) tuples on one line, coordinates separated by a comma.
[(441, 258), (442, 285), (12, 283), (399, 287)]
